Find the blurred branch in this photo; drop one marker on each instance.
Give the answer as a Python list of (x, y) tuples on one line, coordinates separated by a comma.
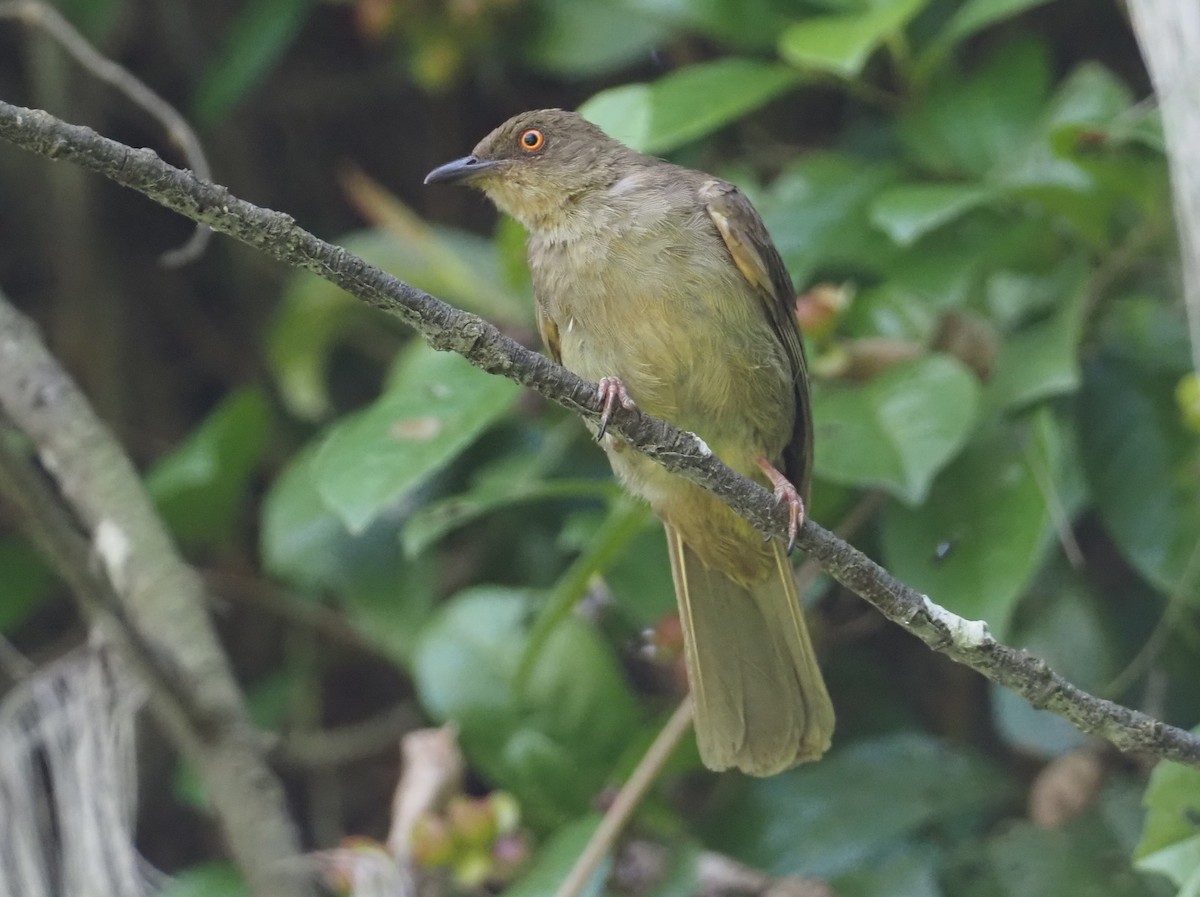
[(349, 743), (1168, 33), (449, 329), (35, 14), (627, 800), (82, 502)]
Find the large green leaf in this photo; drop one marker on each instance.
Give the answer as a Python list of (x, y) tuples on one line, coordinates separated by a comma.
[(686, 104), (1042, 359), (978, 540), (1140, 461), (1170, 843), (865, 801), (907, 212), (970, 18), (302, 541), (434, 406), (817, 212), (899, 430), (975, 15), (1080, 860), (386, 596), (551, 737), (970, 123), (912, 873), (842, 44), (201, 485)]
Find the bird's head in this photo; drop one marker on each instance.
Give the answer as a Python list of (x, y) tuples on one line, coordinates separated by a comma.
[(539, 163)]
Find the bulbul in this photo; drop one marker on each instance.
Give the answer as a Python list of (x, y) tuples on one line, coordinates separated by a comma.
[(662, 284)]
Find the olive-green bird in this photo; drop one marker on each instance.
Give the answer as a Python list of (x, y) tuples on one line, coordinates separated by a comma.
[(662, 284)]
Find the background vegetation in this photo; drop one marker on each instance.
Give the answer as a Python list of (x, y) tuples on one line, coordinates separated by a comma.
[(972, 198)]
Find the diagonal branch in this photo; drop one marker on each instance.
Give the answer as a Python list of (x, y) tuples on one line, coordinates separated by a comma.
[(83, 504), (449, 329)]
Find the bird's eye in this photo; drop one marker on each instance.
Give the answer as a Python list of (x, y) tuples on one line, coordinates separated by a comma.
[(532, 140)]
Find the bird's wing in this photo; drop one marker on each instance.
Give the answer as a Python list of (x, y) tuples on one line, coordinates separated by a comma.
[(755, 255)]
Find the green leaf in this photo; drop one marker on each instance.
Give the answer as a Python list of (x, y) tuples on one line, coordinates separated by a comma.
[(912, 873), (580, 38), (205, 880), (842, 44), (201, 485), (975, 15), (747, 24), (640, 577), (557, 857), (1028, 860), (386, 596), (623, 521), (625, 113), (817, 213), (255, 40), (1140, 462), (434, 521), (899, 430), (302, 541), (977, 541), (27, 581), (552, 739), (315, 316), (1042, 360), (826, 819), (516, 477), (1180, 863), (909, 211), (434, 407), (1170, 843), (686, 104), (968, 124)]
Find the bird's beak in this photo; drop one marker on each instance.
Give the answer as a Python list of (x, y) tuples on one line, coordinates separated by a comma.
[(459, 170)]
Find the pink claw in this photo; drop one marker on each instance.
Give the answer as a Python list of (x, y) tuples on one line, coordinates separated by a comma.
[(785, 492), (611, 390)]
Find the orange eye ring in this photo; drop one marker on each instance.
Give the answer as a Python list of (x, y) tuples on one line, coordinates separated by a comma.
[(532, 140)]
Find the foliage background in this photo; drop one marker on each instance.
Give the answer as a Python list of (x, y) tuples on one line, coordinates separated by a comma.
[(972, 198)]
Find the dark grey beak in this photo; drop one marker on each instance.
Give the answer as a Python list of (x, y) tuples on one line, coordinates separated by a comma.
[(458, 170)]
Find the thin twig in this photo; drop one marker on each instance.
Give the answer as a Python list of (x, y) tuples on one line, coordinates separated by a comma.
[(35, 14), (449, 329), (626, 801)]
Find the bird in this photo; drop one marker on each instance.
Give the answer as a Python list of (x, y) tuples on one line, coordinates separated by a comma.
[(662, 285)]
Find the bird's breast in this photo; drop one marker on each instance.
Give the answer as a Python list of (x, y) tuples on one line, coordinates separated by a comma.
[(667, 312)]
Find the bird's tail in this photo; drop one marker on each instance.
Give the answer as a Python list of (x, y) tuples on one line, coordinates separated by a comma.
[(760, 701)]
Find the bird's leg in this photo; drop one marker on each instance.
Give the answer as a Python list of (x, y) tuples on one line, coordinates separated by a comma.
[(785, 492), (611, 390)]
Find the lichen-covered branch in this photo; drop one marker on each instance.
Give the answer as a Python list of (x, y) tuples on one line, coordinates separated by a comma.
[(83, 503), (483, 345)]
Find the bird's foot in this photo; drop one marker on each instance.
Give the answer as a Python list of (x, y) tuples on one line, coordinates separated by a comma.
[(611, 391), (785, 492)]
